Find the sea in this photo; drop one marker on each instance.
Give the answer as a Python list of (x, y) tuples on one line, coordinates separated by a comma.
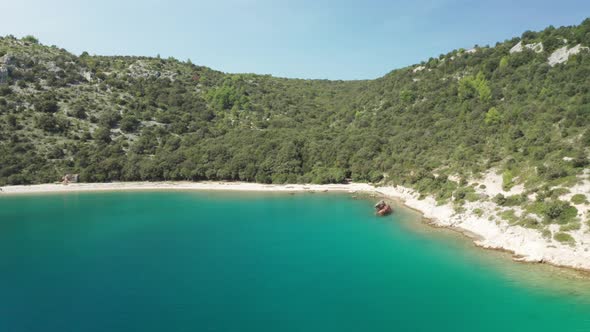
[(250, 261)]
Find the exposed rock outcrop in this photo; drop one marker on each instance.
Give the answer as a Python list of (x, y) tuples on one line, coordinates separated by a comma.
[(3, 74), (417, 69), (535, 47), (143, 69), (5, 61), (562, 54)]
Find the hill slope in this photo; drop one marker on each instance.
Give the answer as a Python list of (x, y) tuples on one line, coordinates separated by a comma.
[(520, 109)]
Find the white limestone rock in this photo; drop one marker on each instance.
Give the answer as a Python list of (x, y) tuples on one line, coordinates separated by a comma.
[(562, 54)]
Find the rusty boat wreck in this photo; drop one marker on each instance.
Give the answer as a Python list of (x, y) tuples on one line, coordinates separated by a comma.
[(382, 208)]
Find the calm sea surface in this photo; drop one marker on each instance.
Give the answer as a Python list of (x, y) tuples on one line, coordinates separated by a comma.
[(201, 261)]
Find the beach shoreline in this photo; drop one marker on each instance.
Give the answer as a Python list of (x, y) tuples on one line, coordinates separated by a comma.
[(184, 185), (526, 245)]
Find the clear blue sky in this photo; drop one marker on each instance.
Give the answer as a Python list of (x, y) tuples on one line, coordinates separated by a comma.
[(335, 39)]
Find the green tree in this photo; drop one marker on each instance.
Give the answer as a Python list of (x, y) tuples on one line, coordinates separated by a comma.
[(102, 134), (78, 112), (51, 123), (129, 124), (5, 90), (483, 90), (109, 119), (47, 105), (407, 96), (503, 62), (471, 87), (466, 88), (30, 39), (493, 116), (11, 120)]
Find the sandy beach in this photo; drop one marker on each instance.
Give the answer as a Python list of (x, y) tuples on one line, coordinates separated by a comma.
[(172, 185), (486, 230)]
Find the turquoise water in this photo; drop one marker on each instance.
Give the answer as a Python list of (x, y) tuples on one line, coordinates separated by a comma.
[(185, 261)]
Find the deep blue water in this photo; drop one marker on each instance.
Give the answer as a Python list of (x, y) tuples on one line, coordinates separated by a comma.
[(185, 261)]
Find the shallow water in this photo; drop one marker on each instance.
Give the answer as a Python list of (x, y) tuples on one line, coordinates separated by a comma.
[(201, 261)]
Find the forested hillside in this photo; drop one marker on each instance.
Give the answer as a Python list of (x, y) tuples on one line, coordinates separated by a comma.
[(521, 107)]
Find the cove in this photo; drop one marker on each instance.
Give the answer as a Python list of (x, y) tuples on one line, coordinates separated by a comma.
[(202, 261)]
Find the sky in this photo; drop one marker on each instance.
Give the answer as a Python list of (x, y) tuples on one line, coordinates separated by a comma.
[(333, 39)]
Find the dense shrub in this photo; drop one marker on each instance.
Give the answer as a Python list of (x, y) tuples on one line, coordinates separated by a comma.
[(579, 199), (564, 238)]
